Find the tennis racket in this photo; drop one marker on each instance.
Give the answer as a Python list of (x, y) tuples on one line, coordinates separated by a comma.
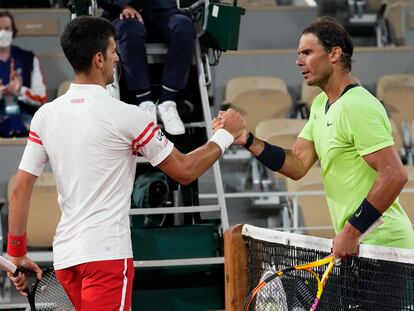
[(295, 288), (46, 294)]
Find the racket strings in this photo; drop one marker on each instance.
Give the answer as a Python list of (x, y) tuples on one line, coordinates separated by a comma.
[(50, 295), (294, 291)]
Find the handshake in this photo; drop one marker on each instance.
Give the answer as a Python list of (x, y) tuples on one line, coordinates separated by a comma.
[(232, 122)]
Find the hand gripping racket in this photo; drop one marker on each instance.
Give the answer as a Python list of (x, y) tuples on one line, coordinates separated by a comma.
[(46, 294), (296, 288)]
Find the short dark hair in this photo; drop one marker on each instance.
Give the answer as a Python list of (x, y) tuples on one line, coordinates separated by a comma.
[(330, 34), (82, 38), (9, 15)]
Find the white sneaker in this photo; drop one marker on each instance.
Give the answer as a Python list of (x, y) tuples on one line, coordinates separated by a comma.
[(170, 118), (150, 109)]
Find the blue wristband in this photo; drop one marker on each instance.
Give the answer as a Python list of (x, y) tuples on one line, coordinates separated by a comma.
[(272, 157), (364, 216)]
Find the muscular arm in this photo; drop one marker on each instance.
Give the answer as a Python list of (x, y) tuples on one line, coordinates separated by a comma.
[(19, 202), (391, 177), (388, 185), (298, 159), (185, 168)]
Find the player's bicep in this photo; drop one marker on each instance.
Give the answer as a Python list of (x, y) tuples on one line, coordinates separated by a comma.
[(384, 159)]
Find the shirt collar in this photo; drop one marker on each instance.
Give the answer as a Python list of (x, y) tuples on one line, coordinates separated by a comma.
[(87, 88)]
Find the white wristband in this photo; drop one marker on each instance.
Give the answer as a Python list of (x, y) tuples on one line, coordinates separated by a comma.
[(223, 139)]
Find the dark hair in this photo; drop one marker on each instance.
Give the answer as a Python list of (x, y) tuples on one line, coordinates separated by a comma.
[(332, 34), (82, 38), (9, 15)]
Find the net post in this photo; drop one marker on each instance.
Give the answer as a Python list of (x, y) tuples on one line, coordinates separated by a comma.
[(235, 268)]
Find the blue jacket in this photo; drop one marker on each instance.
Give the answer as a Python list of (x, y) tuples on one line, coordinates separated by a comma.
[(112, 5), (23, 62)]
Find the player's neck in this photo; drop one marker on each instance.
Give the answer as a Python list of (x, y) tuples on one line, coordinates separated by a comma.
[(89, 78), (336, 85)]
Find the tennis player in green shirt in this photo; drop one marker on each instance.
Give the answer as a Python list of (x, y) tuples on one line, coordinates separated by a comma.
[(350, 134)]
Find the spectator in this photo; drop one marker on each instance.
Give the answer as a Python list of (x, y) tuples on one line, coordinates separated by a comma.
[(22, 89), (135, 22)]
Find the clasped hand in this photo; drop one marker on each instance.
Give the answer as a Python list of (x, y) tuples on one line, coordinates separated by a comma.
[(234, 123)]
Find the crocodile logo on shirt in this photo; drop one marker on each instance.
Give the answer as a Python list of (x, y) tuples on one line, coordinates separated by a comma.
[(329, 123)]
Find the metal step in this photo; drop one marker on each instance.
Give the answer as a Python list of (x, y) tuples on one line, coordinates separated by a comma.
[(179, 262), (14, 306), (174, 210)]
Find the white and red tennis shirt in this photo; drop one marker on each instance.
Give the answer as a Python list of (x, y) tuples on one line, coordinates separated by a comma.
[(91, 140)]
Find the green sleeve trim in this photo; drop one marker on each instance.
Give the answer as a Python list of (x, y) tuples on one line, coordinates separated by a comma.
[(306, 136), (377, 147)]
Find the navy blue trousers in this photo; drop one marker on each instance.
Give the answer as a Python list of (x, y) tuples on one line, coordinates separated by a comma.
[(168, 26)]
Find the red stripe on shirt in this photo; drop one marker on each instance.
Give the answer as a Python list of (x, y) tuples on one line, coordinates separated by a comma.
[(143, 133), (149, 137), (38, 141), (33, 134)]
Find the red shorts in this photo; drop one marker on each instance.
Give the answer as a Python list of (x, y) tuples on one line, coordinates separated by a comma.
[(99, 285)]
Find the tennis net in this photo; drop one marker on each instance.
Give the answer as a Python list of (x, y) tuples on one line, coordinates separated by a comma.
[(379, 279)]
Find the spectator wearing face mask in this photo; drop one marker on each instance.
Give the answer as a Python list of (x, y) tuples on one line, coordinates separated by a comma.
[(22, 89)]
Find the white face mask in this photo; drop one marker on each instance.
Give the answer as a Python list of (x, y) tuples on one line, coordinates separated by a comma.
[(6, 38)]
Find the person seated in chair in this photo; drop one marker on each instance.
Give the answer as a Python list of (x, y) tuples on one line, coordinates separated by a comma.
[(135, 21), (22, 89)]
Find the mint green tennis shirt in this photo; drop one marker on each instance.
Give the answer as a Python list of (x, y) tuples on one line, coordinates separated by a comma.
[(355, 125)]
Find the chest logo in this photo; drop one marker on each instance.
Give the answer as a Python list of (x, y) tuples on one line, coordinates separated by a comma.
[(329, 123)]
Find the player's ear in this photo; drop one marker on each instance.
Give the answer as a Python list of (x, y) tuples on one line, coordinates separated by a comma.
[(335, 54), (98, 60)]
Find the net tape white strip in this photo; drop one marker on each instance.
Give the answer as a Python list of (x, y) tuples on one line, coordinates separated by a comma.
[(325, 245)]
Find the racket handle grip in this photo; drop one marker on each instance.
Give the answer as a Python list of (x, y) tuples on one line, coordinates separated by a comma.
[(16, 272)]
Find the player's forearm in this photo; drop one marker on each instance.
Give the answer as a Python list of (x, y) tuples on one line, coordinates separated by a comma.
[(185, 168), (197, 162), (286, 161), (383, 193), (293, 166), (387, 188), (19, 203)]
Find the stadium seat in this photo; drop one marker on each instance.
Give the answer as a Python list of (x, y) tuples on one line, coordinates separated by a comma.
[(282, 131), (258, 98), (396, 135), (397, 13), (399, 101), (261, 104), (257, 4), (239, 85), (387, 82), (44, 212), (314, 208), (374, 5)]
